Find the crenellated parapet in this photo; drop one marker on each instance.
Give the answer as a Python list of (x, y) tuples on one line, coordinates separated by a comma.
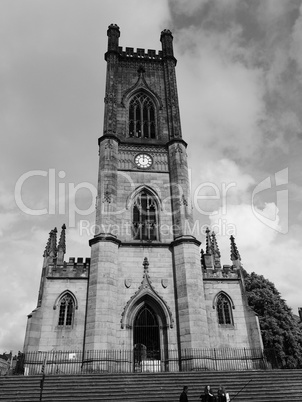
[(74, 268), (140, 54), (227, 272)]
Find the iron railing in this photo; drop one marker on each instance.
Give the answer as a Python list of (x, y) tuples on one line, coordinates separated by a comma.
[(125, 361)]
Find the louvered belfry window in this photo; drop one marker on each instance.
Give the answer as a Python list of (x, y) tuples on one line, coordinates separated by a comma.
[(142, 117), (145, 217), (66, 310), (224, 310)]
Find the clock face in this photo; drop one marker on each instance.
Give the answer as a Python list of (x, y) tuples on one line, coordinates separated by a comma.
[(143, 161)]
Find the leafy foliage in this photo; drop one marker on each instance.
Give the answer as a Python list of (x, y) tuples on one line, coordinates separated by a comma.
[(279, 328)]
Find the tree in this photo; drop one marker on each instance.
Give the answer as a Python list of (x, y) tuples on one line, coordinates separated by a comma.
[(279, 328)]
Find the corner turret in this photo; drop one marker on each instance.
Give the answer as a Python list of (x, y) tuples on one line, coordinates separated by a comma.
[(166, 39), (113, 34)]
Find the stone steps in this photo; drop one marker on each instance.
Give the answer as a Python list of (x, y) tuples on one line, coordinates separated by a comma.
[(266, 386)]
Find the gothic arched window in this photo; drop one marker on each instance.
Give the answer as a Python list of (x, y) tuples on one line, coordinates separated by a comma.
[(66, 310), (142, 116), (145, 217), (224, 310)]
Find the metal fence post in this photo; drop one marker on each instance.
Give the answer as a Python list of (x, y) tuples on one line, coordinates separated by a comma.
[(43, 377), (247, 366), (215, 357)]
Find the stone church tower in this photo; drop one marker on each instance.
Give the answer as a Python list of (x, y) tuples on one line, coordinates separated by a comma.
[(146, 282)]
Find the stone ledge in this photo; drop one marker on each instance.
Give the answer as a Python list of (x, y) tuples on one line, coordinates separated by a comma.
[(185, 239), (104, 237), (67, 277), (177, 140), (108, 136), (144, 244)]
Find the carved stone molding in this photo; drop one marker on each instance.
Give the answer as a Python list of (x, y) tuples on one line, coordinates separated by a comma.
[(141, 84), (178, 150), (142, 148), (145, 289), (108, 149), (108, 144), (182, 201), (110, 98), (128, 283), (107, 197)]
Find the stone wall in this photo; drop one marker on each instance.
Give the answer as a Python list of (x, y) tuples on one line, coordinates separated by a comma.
[(244, 332), (43, 332)]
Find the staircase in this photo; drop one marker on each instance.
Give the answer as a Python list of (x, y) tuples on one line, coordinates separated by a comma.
[(266, 386)]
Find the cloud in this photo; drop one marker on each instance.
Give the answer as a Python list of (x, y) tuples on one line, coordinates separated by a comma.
[(219, 184), (227, 171), (6, 221), (226, 94), (21, 264), (187, 7), (251, 231), (271, 12), (282, 70), (8, 215), (6, 199), (295, 49), (248, 91)]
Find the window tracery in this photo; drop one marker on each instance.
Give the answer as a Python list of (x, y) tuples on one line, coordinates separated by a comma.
[(142, 122), (66, 311), (224, 310), (145, 217)]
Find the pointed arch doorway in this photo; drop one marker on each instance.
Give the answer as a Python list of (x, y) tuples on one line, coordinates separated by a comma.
[(148, 318), (149, 338)]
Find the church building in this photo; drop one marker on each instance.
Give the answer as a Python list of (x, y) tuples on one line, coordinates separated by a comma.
[(147, 283)]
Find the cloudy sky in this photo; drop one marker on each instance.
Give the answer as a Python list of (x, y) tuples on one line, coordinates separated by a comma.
[(239, 77)]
